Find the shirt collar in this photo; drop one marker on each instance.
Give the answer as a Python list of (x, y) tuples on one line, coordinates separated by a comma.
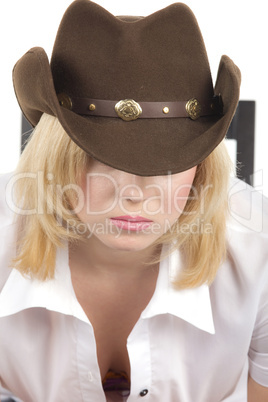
[(20, 292), (191, 305)]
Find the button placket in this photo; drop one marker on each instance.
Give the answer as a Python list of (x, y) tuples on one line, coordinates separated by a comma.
[(139, 351), (87, 364)]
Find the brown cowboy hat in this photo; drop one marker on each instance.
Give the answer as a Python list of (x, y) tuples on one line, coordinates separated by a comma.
[(134, 93)]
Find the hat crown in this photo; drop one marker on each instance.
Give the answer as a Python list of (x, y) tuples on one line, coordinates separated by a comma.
[(161, 57)]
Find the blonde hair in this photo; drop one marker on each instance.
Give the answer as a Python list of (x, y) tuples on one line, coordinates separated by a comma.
[(55, 161), (200, 232)]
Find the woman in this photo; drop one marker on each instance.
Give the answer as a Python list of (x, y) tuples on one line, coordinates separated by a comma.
[(130, 278)]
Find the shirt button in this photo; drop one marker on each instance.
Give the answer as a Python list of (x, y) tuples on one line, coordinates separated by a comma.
[(144, 392)]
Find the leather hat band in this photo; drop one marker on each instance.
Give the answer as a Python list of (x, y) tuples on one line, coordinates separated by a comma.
[(128, 109)]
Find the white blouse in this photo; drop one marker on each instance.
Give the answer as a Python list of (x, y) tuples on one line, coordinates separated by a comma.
[(195, 345)]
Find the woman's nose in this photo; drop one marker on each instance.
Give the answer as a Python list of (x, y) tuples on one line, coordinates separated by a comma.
[(132, 188), (132, 192)]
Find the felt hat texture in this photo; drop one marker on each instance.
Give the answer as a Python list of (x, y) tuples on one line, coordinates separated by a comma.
[(158, 58)]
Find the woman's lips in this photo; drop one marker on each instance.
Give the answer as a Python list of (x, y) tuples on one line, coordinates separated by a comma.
[(131, 223)]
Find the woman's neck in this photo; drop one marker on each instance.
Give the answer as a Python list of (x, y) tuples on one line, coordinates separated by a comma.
[(94, 257)]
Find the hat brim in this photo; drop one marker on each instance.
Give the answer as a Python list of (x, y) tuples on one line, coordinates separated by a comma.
[(145, 147)]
